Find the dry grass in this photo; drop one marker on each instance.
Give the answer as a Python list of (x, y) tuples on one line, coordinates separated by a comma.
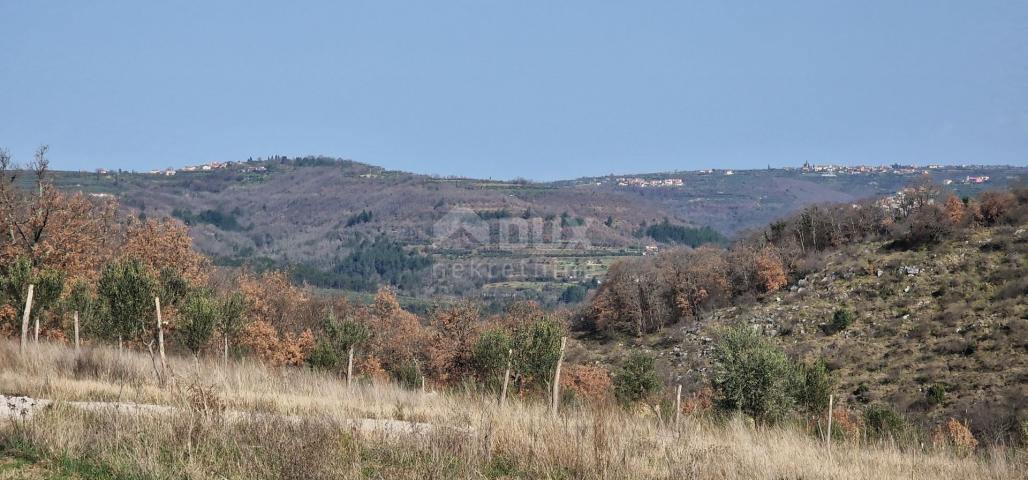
[(314, 436)]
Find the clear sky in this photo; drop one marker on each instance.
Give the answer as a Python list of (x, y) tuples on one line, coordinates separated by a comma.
[(538, 89)]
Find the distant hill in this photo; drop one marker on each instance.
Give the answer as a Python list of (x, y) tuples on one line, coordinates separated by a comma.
[(312, 213)]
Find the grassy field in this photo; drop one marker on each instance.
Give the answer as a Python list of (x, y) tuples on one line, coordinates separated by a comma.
[(247, 421)]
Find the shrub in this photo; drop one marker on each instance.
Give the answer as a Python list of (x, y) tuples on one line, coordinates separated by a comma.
[(126, 292), (489, 357), (589, 382), (841, 320), (814, 386), (936, 394), (407, 374), (845, 426), (955, 435), (883, 422), (197, 319), (636, 379), (753, 376), (536, 348), (339, 336)]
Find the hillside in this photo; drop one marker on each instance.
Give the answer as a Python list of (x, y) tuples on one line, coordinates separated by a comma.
[(950, 316), (317, 216)]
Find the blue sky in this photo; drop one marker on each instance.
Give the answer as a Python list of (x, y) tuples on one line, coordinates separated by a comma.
[(543, 90)]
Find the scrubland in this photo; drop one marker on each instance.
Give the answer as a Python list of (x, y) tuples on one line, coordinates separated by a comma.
[(244, 420)]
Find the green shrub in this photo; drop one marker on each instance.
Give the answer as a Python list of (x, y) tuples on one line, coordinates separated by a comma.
[(407, 375), (636, 379), (814, 386), (125, 292), (198, 317), (841, 320), (489, 357), (753, 376), (883, 422), (536, 349), (936, 394), (336, 340)]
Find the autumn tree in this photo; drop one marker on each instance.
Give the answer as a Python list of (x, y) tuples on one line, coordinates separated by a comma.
[(396, 334), (67, 232), (993, 207), (449, 351), (164, 245), (955, 210), (770, 270)]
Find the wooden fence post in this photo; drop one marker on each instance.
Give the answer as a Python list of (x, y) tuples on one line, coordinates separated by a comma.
[(25, 319), (349, 367), (678, 403), (506, 377), (556, 377), (160, 334), (78, 345), (829, 436)]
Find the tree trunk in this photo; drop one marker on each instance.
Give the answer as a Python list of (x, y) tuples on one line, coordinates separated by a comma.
[(349, 367), (35, 337), (226, 349), (25, 319), (556, 377)]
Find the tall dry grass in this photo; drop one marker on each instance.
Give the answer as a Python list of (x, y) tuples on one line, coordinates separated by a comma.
[(310, 431)]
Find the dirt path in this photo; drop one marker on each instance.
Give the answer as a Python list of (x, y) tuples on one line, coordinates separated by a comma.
[(14, 407)]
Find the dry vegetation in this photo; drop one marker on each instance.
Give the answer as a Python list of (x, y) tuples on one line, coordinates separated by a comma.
[(296, 423)]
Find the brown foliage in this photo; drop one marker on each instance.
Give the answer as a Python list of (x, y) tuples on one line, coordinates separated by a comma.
[(370, 367), (164, 244), (264, 341), (955, 435), (271, 297), (847, 423), (955, 210), (68, 232), (452, 336), (770, 269), (696, 277), (396, 335), (993, 207), (589, 382), (700, 401)]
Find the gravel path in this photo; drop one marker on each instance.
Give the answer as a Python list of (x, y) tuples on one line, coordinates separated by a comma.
[(17, 406)]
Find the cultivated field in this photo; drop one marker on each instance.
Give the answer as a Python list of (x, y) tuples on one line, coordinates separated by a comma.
[(247, 421)]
